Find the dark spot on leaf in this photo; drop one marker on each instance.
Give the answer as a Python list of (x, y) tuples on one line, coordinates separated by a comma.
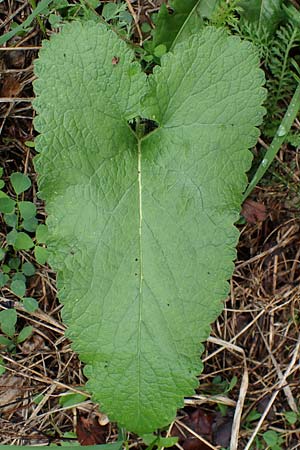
[(168, 304), (115, 60), (136, 259), (135, 274)]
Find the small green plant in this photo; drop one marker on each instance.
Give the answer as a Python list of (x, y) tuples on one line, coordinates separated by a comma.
[(20, 217), (24, 233), (11, 338), (158, 442), (291, 417), (273, 439)]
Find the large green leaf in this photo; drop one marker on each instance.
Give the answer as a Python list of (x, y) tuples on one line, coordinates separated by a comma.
[(141, 226)]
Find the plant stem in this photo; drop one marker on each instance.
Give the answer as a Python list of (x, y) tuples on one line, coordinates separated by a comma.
[(278, 140)]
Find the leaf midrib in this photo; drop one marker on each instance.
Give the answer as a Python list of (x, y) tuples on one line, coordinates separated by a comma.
[(139, 168)]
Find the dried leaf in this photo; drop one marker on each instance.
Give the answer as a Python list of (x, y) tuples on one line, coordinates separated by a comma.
[(254, 211), (90, 432)]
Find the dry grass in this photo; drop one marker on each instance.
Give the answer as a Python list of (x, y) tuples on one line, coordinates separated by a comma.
[(256, 339)]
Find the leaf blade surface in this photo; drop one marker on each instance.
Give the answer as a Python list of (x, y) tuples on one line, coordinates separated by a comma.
[(141, 229)]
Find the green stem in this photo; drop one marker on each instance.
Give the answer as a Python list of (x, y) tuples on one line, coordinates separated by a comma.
[(278, 140), (140, 128)]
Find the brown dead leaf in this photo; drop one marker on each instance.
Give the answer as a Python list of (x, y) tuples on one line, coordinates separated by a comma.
[(90, 432), (10, 86), (222, 428), (254, 211), (32, 345), (201, 423), (15, 59), (11, 390)]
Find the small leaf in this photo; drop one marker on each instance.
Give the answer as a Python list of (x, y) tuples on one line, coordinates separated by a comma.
[(2, 253), (7, 205), (55, 20), (160, 50), (19, 276), (38, 398), (71, 399), (20, 182), (5, 268), (30, 224), (27, 209), (30, 304), (28, 269), (1, 172), (291, 417), (2, 366), (2, 184), (4, 341), (149, 438), (3, 279), (11, 219), (3, 195), (41, 254), (23, 242), (145, 27), (14, 263), (11, 237), (41, 234), (270, 437), (24, 334), (18, 287), (110, 11), (253, 416), (167, 441), (232, 383), (30, 144), (8, 320)]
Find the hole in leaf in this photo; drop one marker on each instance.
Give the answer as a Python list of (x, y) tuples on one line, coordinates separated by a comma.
[(142, 127)]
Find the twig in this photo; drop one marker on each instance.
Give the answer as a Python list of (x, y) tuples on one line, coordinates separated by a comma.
[(243, 391), (286, 389), (180, 424), (272, 399), (132, 12)]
